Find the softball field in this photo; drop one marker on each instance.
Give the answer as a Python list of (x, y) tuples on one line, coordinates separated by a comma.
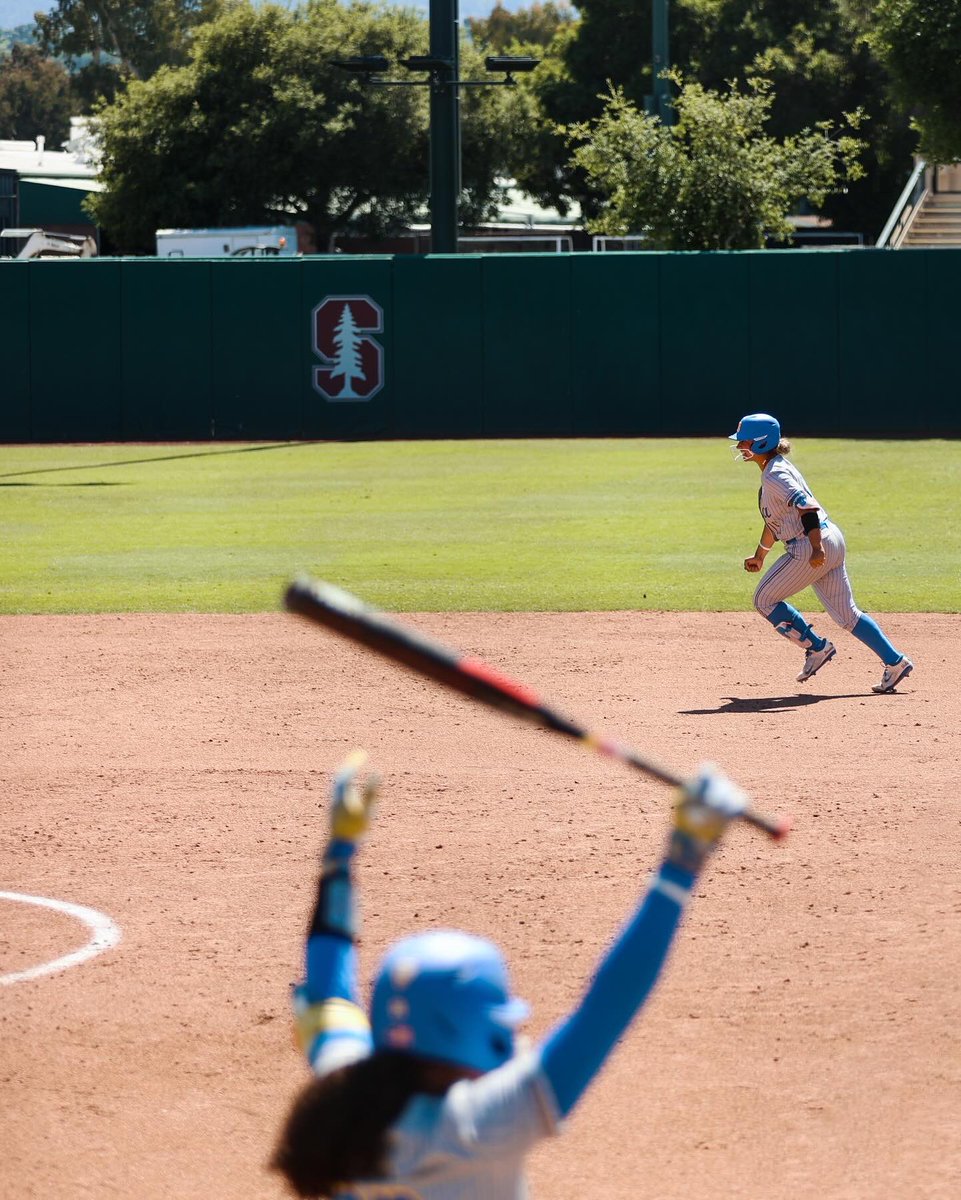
[(168, 773)]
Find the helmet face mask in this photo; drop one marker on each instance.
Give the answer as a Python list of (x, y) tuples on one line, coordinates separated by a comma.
[(761, 431), (445, 996)]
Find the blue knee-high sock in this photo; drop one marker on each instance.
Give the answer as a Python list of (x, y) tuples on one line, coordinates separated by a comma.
[(869, 631), (790, 624)]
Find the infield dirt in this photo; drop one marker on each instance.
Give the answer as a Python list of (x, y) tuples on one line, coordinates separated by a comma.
[(171, 772)]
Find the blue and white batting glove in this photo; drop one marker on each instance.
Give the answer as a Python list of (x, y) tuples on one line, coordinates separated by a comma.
[(706, 805)]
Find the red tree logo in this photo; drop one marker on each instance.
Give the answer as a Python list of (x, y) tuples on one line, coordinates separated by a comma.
[(353, 361)]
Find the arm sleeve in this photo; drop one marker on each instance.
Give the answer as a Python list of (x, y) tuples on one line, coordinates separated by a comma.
[(575, 1051), (331, 1027)]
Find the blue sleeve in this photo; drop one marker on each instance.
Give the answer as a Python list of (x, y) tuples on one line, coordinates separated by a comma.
[(331, 1026), (575, 1051), (330, 969), (330, 959)]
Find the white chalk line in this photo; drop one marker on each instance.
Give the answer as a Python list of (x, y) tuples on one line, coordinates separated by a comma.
[(105, 935)]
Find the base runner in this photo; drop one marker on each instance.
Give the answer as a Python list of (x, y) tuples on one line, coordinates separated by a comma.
[(815, 557), (427, 1096)]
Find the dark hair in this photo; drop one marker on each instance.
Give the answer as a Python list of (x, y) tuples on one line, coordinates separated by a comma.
[(336, 1130)]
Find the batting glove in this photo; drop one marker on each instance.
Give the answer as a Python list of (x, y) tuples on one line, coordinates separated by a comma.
[(352, 802), (704, 808)]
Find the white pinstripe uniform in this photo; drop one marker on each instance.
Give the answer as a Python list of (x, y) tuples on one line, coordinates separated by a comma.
[(469, 1144), (782, 498), (444, 996)]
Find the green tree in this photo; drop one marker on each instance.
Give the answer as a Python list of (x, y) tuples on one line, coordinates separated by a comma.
[(815, 55), (34, 96), (109, 41), (495, 122), (812, 51), (919, 41), (715, 180), (534, 26), (260, 126), (27, 34), (540, 157)]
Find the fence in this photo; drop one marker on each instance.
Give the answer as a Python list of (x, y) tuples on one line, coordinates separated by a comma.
[(859, 342)]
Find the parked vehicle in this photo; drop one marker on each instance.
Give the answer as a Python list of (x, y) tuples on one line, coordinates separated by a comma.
[(38, 243), (251, 241)]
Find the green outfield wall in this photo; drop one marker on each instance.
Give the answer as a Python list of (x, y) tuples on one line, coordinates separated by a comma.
[(861, 342)]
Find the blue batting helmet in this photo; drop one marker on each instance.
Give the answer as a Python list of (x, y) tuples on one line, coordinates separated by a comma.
[(445, 995), (761, 430)]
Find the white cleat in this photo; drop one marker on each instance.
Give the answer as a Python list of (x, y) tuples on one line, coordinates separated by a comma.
[(814, 660), (893, 675)]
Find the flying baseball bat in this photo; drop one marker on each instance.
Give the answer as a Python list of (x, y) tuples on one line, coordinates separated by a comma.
[(345, 614)]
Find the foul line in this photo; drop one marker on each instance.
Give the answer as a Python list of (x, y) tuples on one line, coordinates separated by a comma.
[(105, 935)]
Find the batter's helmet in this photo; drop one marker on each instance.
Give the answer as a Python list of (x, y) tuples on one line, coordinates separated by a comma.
[(761, 430), (445, 995)]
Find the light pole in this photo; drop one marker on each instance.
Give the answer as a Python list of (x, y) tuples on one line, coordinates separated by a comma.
[(443, 66), (444, 126), (660, 61)]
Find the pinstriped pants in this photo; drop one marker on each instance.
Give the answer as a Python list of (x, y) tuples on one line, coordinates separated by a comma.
[(792, 573)]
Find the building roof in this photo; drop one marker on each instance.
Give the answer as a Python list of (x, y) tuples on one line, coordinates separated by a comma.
[(32, 160), (43, 165), (69, 183), (517, 208)]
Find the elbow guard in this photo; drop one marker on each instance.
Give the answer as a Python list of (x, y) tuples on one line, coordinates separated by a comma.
[(810, 520)]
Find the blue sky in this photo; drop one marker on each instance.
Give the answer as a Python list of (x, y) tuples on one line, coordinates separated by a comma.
[(20, 12)]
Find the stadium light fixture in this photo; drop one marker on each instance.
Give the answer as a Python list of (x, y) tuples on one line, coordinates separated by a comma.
[(426, 62), (442, 65), (510, 64), (362, 64)]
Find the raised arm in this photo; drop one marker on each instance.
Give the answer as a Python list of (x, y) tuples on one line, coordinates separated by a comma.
[(574, 1052), (331, 1026)]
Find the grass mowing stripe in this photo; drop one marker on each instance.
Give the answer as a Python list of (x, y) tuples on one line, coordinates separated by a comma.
[(563, 525)]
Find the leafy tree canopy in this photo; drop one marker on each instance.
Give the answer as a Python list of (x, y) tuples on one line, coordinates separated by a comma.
[(259, 126), (118, 39), (815, 55), (534, 26), (34, 97), (812, 52), (27, 34), (919, 41), (716, 180), (495, 122)]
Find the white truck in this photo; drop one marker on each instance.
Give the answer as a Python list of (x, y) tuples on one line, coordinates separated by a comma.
[(248, 241)]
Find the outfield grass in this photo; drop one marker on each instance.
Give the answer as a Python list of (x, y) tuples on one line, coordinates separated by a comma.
[(581, 525)]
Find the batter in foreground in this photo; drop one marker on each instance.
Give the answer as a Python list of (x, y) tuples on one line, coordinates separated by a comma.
[(427, 1096), (814, 557)]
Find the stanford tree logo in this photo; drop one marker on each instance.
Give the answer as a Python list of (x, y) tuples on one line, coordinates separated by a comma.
[(353, 361)]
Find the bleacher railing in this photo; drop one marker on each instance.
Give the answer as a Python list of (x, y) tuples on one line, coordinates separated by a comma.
[(904, 212)]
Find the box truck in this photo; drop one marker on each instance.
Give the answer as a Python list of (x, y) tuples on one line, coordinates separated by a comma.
[(248, 241)]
